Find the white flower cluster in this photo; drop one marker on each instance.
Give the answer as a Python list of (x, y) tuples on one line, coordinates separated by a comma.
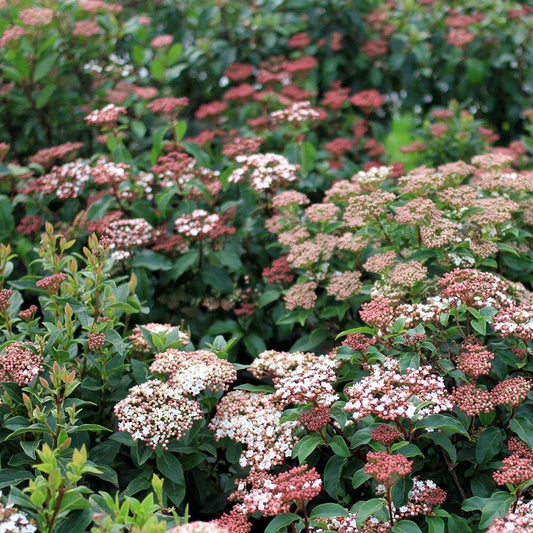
[(297, 113), (13, 521), (65, 181), (198, 224), (391, 395), (265, 171)]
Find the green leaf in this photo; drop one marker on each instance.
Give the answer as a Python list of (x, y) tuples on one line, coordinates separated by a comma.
[(158, 69), (152, 261), (10, 478), (306, 446), (457, 524), (179, 130), (7, 222), (359, 478), (339, 447), (446, 423), (280, 522), (308, 157), (44, 96), (332, 474), (254, 344), (217, 278), (406, 526), (436, 524), (497, 505), (327, 510), (368, 508), (523, 427), (174, 53), (489, 444), (184, 263), (479, 325), (157, 143), (268, 297), (44, 66), (444, 442), (170, 467)]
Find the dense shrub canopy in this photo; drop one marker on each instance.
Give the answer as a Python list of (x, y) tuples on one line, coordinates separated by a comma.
[(266, 266)]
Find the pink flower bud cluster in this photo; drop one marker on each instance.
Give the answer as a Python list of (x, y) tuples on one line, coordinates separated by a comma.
[(316, 418), (386, 434), (51, 283), (361, 209), (253, 419), (474, 359), (516, 469), (302, 295), (295, 114), (511, 392), (201, 225), (126, 235), (169, 105), (5, 295), (519, 519), (193, 372), (475, 288), (265, 172), (515, 320), (408, 274), (106, 117), (324, 212), (387, 468), (20, 363), (65, 181), (48, 156), (273, 495), (140, 344), (156, 412), (392, 395), (36, 16), (472, 400), (343, 285)]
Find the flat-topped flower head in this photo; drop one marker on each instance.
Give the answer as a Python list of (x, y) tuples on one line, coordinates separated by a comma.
[(193, 372), (20, 362), (156, 412), (393, 395), (387, 468), (106, 117)]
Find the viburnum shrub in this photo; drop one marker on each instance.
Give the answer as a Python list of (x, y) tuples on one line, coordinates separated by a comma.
[(265, 266)]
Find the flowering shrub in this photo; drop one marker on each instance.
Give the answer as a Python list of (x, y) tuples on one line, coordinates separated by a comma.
[(265, 266)]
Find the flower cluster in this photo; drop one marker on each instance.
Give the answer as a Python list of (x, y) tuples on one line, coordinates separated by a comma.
[(51, 283), (65, 181), (297, 113), (156, 412), (192, 372), (265, 172), (387, 468), (272, 363), (126, 235), (517, 468), (253, 419), (515, 320), (202, 225), (520, 519), (309, 381), (472, 400), (20, 363), (392, 395), (106, 117), (273, 495), (474, 359), (14, 521)]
